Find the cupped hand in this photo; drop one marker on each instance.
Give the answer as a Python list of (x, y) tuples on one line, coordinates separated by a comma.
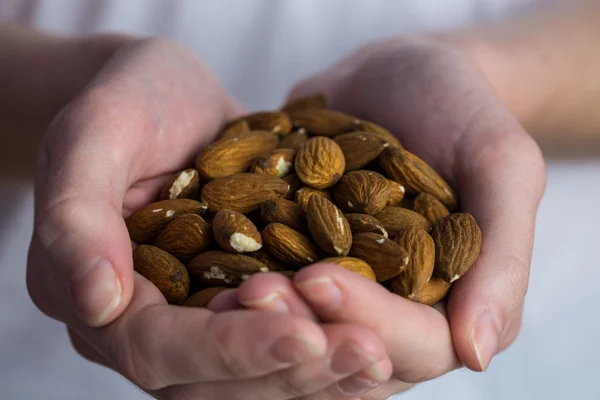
[(145, 115), (437, 101)]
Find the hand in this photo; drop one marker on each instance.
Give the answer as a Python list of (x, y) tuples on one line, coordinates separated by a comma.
[(144, 116), (437, 101)]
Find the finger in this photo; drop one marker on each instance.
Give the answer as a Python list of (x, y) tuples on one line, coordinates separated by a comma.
[(85, 350), (273, 292), (356, 356), (225, 301), (157, 345), (417, 338)]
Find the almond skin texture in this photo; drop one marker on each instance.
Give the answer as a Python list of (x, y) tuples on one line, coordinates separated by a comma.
[(183, 185), (353, 264), (285, 212), (380, 131), (416, 176), (457, 239), (360, 148), (166, 272), (362, 223), (295, 184), (234, 155), (235, 129), (203, 297), (294, 140), (362, 191), (322, 121), (433, 292), (144, 224), (224, 269), (305, 193), (273, 121), (185, 237), (320, 162), (243, 192), (397, 192), (386, 257), (316, 100), (235, 233), (396, 219), (430, 207), (328, 227), (279, 162), (421, 254), (289, 246)]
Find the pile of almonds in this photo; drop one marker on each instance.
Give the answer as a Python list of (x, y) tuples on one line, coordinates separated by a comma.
[(283, 189)]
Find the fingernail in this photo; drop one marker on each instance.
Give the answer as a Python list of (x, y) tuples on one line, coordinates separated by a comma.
[(271, 302), (97, 293), (350, 357), (358, 384), (485, 338), (295, 349), (322, 292)]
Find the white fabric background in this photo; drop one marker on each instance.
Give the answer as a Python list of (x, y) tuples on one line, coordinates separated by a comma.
[(259, 48)]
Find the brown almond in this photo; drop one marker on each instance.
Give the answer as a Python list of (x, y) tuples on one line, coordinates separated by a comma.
[(386, 257), (279, 162), (430, 207), (316, 100), (289, 245), (435, 290), (278, 122), (320, 162), (183, 185), (416, 175), (457, 239), (362, 223), (225, 269), (242, 192), (165, 271), (144, 224), (322, 121), (396, 219), (269, 260), (328, 226), (295, 184), (235, 233), (353, 264), (421, 254), (362, 191), (203, 297), (380, 131), (234, 155), (360, 148), (305, 193), (185, 237), (294, 140), (397, 192), (285, 212), (235, 129)]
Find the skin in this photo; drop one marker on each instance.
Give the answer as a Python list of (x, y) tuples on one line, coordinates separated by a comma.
[(457, 100)]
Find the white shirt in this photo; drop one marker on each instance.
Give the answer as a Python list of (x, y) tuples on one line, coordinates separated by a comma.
[(259, 48)]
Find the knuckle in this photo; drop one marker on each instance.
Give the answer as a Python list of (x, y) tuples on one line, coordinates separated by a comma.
[(516, 281), (226, 338)]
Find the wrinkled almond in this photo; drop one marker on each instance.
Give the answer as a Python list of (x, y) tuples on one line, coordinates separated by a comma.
[(184, 237), (362, 223), (235, 233), (305, 193), (277, 122), (396, 219), (397, 192), (328, 226), (316, 100), (285, 212), (362, 191), (235, 129), (279, 162), (183, 185), (353, 264), (380, 131), (386, 257), (433, 292), (320, 162), (360, 148), (289, 245), (322, 121), (430, 207), (421, 258), (222, 268)]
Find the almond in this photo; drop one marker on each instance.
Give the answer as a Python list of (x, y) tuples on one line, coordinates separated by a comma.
[(362, 223), (360, 148), (279, 162), (166, 272), (396, 219), (380, 131), (397, 192), (295, 184), (285, 212), (242, 192), (433, 292), (386, 258), (430, 207), (457, 239), (183, 185), (294, 140), (222, 268), (277, 122), (289, 245), (235, 129), (235, 233), (144, 224), (416, 176), (203, 297), (316, 100), (305, 193), (234, 155), (353, 264), (322, 121), (184, 237), (269, 260), (328, 226), (362, 191), (320, 162), (288, 274), (421, 254)]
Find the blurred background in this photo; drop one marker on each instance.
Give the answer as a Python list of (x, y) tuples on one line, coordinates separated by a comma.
[(259, 48)]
